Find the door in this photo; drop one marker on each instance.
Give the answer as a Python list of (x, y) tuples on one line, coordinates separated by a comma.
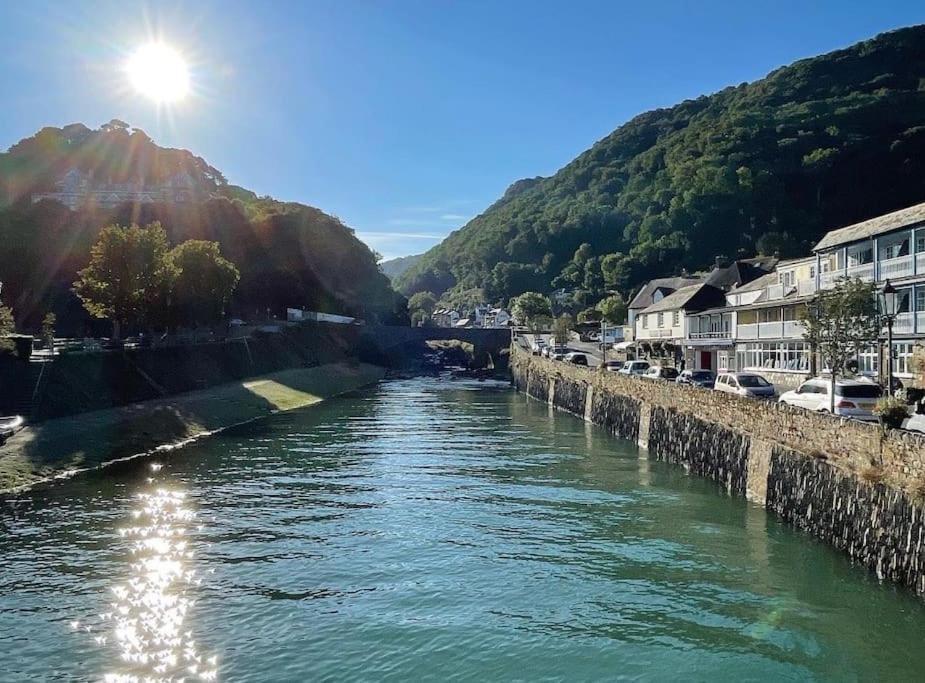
[(706, 360)]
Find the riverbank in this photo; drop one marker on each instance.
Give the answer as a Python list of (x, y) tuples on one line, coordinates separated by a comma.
[(854, 486), (62, 446)]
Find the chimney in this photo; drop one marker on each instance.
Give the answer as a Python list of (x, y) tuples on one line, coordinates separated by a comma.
[(721, 262)]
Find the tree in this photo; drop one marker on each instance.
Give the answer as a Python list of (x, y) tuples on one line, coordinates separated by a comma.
[(421, 306), (48, 331), (840, 322), (613, 309), (202, 283), (561, 329), (129, 276), (529, 306), (590, 315)]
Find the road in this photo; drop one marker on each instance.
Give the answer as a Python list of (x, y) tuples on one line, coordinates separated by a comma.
[(588, 348)]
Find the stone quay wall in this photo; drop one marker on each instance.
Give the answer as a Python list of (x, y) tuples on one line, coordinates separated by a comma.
[(854, 485)]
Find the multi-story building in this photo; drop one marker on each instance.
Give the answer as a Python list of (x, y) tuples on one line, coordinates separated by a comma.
[(76, 189), (661, 328), (889, 247)]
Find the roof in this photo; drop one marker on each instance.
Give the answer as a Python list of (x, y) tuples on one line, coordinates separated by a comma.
[(758, 283), (741, 271), (874, 226), (643, 298), (691, 297)]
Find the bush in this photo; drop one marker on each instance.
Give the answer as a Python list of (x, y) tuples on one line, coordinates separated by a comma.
[(872, 474), (891, 411)]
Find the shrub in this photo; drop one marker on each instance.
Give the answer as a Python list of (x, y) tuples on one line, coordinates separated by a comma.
[(891, 411), (872, 474)]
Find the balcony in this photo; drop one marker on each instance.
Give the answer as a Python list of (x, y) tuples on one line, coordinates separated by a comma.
[(920, 262), (862, 272), (920, 322), (790, 329), (770, 330), (894, 268)]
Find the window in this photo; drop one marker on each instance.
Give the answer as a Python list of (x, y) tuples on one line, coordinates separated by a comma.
[(869, 361), (645, 322), (661, 320), (676, 318), (902, 358), (785, 356), (894, 247), (920, 241), (905, 300), (858, 256), (920, 299), (787, 278)]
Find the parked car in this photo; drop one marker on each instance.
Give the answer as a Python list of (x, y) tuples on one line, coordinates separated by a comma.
[(576, 358), (853, 398), (613, 365), (661, 372), (558, 352), (697, 378), (538, 345), (634, 367), (594, 336), (745, 384)]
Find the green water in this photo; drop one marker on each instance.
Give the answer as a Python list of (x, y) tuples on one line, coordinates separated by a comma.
[(429, 529)]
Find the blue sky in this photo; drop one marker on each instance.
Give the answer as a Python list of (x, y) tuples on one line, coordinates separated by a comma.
[(404, 118)]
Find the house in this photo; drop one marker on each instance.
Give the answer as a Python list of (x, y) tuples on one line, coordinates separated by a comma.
[(889, 247), (77, 188), (445, 317), (497, 317), (660, 329), (654, 291)]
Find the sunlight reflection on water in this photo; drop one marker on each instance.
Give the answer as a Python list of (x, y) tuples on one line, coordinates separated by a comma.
[(147, 617)]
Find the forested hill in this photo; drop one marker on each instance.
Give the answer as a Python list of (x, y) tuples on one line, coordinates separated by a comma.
[(764, 166), (392, 268), (288, 254)]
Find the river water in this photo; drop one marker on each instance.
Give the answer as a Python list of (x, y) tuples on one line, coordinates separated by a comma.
[(428, 529)]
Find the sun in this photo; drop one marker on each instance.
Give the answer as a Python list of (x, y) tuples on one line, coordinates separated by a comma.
[(158, 72)]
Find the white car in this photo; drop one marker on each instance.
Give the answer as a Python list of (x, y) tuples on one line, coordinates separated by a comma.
[(853, 398), (538, 345), (746, 384), (634, 367)]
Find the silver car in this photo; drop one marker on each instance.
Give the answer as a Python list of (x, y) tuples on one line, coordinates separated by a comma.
[(746, 384)]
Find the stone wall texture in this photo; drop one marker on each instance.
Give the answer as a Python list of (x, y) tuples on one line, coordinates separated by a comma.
[(853, 485)]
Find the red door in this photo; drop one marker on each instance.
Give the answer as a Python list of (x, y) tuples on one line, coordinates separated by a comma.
[(706, 360)]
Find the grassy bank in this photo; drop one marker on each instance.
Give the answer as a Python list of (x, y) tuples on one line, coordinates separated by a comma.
[(60, 446)]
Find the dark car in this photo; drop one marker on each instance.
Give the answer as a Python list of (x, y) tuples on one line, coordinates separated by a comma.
[(697, 378), (661, 372), (576, 359)]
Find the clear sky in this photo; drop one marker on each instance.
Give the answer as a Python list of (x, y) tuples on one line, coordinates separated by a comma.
[(402, 117)]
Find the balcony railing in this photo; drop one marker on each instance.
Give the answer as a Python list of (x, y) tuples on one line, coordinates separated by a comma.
[(920, 262), (920, 322), (770, 330), (806, 287), (718, 334), (793, 329), (775, 292), (893, 268), (904, 324), (749, 331)]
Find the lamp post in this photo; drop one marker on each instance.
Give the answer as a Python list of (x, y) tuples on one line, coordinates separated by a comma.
[(889, 305)]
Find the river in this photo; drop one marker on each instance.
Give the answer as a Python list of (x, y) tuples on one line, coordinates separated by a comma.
[(428, 529)]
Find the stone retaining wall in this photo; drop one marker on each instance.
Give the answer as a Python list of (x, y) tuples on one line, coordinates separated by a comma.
[(851, 484)]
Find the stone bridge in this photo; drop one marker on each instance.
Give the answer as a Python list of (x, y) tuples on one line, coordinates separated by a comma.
[(487, 343)]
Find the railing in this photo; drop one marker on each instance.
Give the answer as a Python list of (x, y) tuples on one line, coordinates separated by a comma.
[(721, 334), (920, 263), (806, 287), (827, 280), (775, 291), (904, 324), (862, 272), (747, 331), (770, 330), (920, 322), (896, 267), (793, 329)]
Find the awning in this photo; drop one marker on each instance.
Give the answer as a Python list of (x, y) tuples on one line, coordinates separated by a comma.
[(623, 345)]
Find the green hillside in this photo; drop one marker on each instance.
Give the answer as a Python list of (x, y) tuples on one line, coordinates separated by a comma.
[(288, 254), (759, 167), (392, 268)]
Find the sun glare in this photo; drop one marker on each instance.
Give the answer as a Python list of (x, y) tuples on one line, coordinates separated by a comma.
[(158, 72)]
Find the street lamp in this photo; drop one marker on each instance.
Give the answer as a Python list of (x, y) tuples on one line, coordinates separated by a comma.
[(889, 307)]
